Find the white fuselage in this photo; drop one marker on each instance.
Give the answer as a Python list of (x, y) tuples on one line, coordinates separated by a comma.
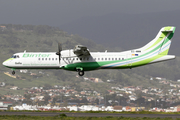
[(49, 60)]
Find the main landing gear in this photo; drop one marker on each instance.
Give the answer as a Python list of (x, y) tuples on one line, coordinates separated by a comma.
[(80, 71)]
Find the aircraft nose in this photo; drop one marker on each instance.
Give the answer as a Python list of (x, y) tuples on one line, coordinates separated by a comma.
[(5, 63)]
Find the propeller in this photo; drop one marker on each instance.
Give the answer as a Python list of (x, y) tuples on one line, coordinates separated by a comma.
[(59, 50)]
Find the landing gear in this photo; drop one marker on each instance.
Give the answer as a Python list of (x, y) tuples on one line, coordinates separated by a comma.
[(80, 73), (13, 72)]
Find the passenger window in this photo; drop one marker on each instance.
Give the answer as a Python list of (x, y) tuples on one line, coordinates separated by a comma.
[(109, 58), (122, 58), (105, 58), (115, 58), (102, 59), (119, 58), (56, 58), (42, 58), (98, 58), (45, 58), (80, 58), (52, 58), (76, 58), (112, 58), (39, 58), (49, 58), (94, 58)]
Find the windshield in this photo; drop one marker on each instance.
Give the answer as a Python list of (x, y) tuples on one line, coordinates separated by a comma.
[(15, 56)]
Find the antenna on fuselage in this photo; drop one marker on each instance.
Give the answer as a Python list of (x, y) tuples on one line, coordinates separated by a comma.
[(24, 51)]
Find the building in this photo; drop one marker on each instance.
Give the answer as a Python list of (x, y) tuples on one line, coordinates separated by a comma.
[(5, 105)]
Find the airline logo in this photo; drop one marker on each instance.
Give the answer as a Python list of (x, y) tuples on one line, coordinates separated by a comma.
[(35, 55)]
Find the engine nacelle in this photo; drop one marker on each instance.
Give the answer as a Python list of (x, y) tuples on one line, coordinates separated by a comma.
[(80, 50)]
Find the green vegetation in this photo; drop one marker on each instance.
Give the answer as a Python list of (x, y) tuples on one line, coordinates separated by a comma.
[(63, 113), (64, 117)]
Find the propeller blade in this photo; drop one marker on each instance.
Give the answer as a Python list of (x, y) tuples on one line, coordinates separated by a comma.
[(59, 47), (59, 51)]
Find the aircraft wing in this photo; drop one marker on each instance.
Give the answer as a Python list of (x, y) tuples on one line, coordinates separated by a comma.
[(81, 50)]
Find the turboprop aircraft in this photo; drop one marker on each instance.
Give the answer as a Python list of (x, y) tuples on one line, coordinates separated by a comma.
[(80, 59)]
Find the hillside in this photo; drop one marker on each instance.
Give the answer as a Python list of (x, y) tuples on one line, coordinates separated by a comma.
[(17, 38)]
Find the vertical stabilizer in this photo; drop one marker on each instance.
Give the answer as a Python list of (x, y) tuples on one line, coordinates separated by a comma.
[(161, 43)]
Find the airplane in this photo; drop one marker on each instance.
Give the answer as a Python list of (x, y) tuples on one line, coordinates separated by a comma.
[(80, 59)]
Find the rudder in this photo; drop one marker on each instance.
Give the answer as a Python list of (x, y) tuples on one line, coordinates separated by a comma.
[(169, 31)]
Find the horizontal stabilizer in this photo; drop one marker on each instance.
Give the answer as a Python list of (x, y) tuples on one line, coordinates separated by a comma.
[(167, 29)]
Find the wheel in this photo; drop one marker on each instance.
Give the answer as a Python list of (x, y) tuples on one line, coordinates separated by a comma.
[(81, 73), (13, 72)]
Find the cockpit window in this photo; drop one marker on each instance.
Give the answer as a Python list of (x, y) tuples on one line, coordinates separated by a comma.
[(15, 56)]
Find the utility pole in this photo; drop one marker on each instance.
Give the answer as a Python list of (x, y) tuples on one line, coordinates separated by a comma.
[(105, 100)]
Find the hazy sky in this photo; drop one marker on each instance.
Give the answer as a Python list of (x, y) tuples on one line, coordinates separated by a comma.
[(59, 12)]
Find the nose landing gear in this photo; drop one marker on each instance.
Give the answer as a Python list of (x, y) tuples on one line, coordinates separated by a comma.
[(13, 72)]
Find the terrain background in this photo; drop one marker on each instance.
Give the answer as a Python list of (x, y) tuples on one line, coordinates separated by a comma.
[(17, 38)]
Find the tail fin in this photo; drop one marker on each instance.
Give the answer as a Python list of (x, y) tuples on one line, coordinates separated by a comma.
[(161, 43)]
